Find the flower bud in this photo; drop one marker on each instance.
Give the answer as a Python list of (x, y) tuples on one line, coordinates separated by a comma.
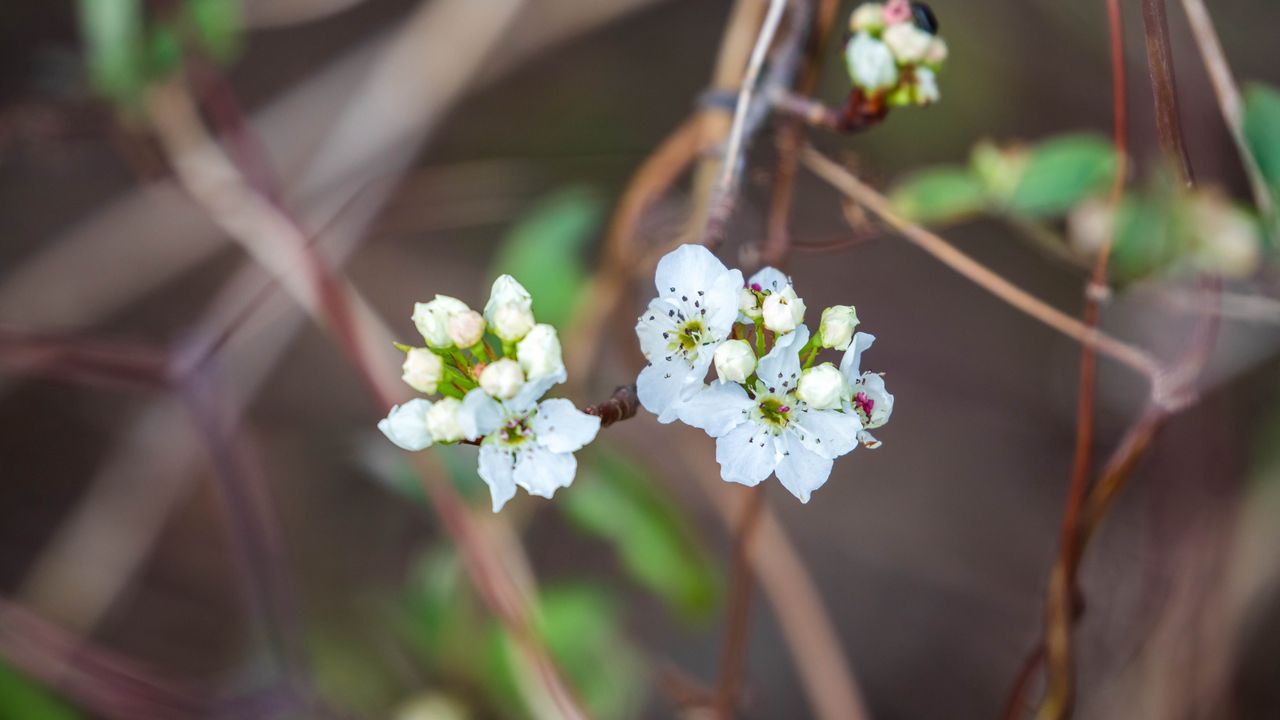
[(837, 326), (867, 17), (783, 311), (406, 425), (937, 52), (539, 352), (907, 42), (509, 310), (1227, 239), (871, 63), (749, 304), (926, 86), (443, 420), (734, 361), (466, 328), (432, 319), (502, 379), (822, 387), (422, 370)]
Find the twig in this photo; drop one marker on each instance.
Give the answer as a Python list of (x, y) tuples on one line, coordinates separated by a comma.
[(1155, 21), (622, 405), (733, 653), (1124, 353)]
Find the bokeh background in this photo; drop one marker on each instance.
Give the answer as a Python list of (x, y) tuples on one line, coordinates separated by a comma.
[(520, 125)]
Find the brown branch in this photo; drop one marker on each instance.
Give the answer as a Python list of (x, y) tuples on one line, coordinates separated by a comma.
[(622, 405), (1164, 87), (733, 652)]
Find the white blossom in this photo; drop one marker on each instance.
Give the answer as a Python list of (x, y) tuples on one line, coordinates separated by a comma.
[(871, 63), (695, 309), (822, 387), (422, 370), (735, 361), (926, 86), (908, 42), (836, 327), (443, 421), (406, 425), (867, 397), (748, 306), (783, 311), (502, 378), (509, 309), (525, 444), (868, 17), (432, 319), (937, 52), (769, 430), (466, 328), (539, 352)]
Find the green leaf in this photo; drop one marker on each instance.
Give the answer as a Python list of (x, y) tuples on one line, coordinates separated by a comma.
[(219, 25), (114, 47), (615, 499), (1147, 239), (21, 698), (544, 251), (1262, 131), (1060, 173), (942, 194)]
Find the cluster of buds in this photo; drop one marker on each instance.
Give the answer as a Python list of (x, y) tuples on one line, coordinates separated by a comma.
[(491, 370), (894, 53), (771, 409)]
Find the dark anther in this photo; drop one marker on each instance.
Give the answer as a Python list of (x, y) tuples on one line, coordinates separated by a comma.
[(924, 18)]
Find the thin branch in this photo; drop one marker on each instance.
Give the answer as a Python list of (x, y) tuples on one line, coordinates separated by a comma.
[(733, 652), (622, 405), (1124, 353), (1164, 87)]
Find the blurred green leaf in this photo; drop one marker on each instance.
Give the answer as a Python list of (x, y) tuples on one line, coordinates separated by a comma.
[(218, 24), (1262, 132), (113, 38), (1145, 240), (22, 699), (1060, 173), (615, 499), (939, 195), (164, 51), (544, 251)]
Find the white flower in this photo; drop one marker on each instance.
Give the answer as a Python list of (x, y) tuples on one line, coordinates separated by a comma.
[(1226, 238), (748, 306), (527, 445), (509, 310), (695, 309), (908, 42), (770, 430), (837, 325), (466, 328), (822, 387), (443, 421), (767, 280), (926, 86), (937, 52), (783, 311), (406, 425), (868, 16), (432, 319), (502, 378), (734, 361), (539, 352), (867, 396), (422, 370), (871, 63)]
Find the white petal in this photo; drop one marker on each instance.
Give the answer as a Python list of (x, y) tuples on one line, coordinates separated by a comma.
[(561, 427), (851, 363), (800, 470), (406, 425), (780, 369), (829, 433), (653, 326), (533, 391), (721, 301), (770, 278), (661, 387), (688, 269), (868, 440), (746, 454), (541, 472), (716, 408), (496, 470), (873, 385), (480, 415)]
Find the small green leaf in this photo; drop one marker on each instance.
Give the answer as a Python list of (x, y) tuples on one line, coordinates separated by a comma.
[(218, 25), (1146, 240), (1062, 172), (940, 195), (114, 47), (544, 251), (21, 698), (1262, 132), (615, 499)]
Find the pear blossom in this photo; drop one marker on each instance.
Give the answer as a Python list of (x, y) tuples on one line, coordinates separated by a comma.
[(422, 370), (526, 444), (735, 361), (443, 421), (783, 311), (937, 52), (406, 425), (867, 396), (509, 310), (821, 387), (835, 330), (539, 352), (466, 329), (502, 379), (926, 86), (871, 63), (432, 319), (697, 304), (768, 430), (909, 43), (867, 16)]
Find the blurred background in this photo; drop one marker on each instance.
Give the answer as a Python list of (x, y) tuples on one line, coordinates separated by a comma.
[(198, 517)]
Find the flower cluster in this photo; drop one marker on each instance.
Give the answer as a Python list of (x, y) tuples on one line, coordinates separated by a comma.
[(771, 409), (894, 54), (491, 370)]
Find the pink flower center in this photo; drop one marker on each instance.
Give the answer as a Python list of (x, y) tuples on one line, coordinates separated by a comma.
[(864, 404), (756, 287)]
